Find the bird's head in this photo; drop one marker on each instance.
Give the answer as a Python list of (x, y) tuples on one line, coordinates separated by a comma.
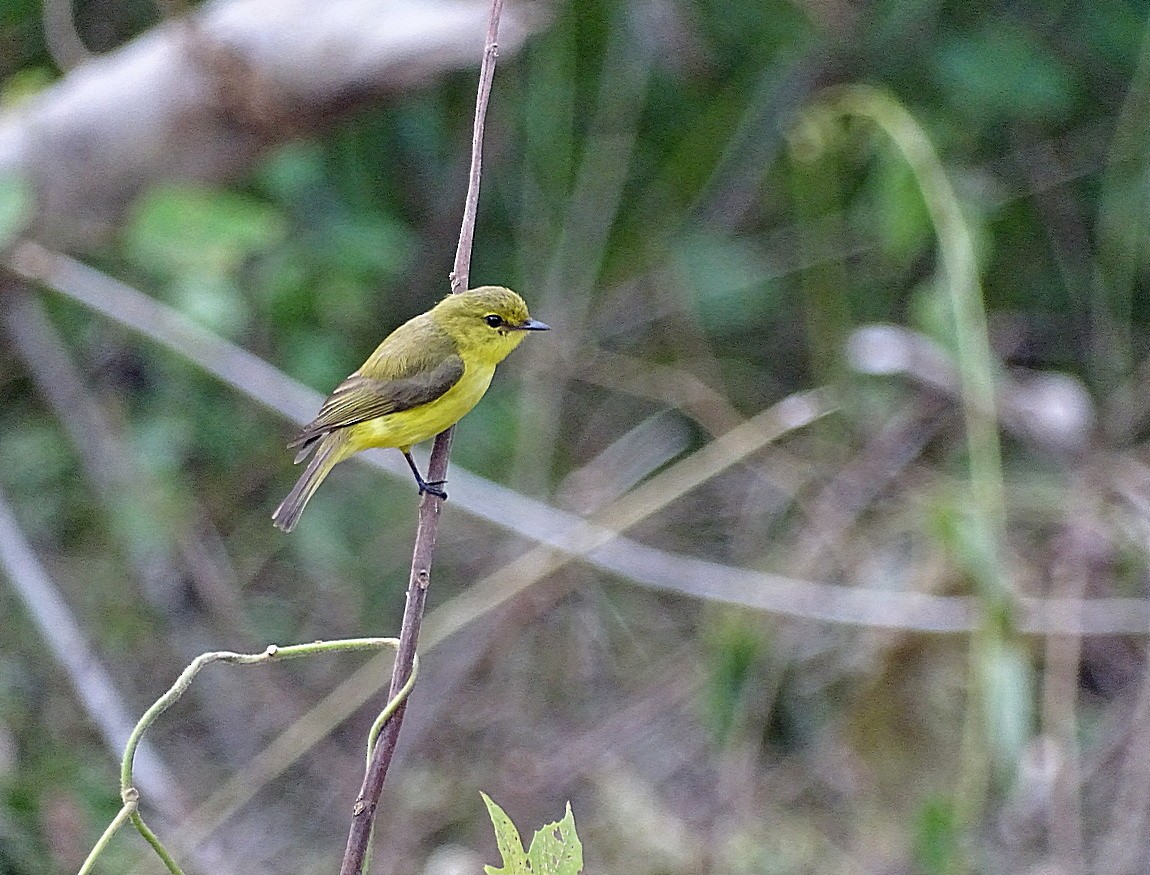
[(489, 321)]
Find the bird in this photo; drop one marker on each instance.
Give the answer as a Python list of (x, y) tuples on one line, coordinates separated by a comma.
[(424, 377)]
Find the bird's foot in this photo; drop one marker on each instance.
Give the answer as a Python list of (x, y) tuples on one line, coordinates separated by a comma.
[(433, 487)]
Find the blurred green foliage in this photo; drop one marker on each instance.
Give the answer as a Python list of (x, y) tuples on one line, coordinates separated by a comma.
[(936, 838), (15, 204)]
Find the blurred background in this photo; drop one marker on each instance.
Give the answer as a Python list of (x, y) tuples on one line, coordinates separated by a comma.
[(849, 304)]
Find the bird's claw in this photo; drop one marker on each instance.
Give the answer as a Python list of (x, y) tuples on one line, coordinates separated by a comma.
[(433, 487)]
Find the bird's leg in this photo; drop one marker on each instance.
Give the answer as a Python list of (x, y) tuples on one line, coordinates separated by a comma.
[(435, 487)]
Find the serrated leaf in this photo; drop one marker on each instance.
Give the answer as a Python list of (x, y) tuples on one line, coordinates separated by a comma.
[(555, 849), (508, 841)]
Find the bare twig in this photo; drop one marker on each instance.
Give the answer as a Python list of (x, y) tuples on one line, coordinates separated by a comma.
[(427, 530), (461, 270)]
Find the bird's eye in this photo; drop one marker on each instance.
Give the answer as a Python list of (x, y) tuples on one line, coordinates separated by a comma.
[(494, 320)]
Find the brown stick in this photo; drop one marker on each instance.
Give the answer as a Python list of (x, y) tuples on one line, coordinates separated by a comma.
[(461, 270), (427, 530)]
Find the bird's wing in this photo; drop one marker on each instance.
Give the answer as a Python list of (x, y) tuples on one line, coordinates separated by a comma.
[(360, 398)]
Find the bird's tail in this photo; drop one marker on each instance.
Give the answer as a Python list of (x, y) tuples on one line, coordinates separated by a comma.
[(325, 458)]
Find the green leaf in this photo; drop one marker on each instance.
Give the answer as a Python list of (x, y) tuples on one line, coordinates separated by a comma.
[(555, 849), (508, 841)]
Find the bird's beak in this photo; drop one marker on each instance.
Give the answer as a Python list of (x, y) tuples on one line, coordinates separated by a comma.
[(533, 325)]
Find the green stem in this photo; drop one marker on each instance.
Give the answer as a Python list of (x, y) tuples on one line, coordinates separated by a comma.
[(373, 734), (152, 839), (991, 645), (118, 821), (273, 653), (389, 709), (972, 337)]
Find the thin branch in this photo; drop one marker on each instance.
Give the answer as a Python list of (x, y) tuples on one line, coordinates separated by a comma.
[(427, 530), (131, 801), (461, 270)]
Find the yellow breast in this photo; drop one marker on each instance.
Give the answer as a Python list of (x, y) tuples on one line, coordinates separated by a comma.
[(418, 424)]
